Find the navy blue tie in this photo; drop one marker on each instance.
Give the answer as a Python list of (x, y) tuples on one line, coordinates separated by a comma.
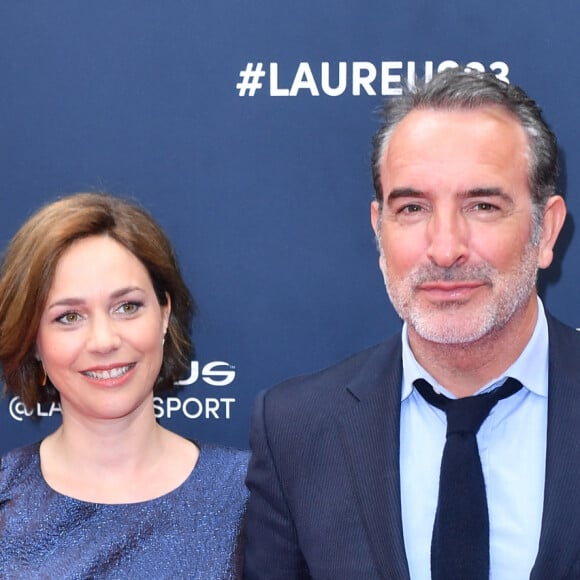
[(460, 542)]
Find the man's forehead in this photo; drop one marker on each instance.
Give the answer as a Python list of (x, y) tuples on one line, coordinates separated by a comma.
[(439, 130), (491, 115), (456, 151)]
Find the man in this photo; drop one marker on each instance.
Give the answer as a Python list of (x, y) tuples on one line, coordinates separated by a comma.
[(347, 476)]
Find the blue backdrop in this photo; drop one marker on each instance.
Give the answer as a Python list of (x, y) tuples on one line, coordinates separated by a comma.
[(245, 128)]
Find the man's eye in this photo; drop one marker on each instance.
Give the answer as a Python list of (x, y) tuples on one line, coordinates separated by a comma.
[(485, 206), (411, 208)]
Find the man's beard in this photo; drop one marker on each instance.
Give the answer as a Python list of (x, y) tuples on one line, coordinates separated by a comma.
[(508, 292)]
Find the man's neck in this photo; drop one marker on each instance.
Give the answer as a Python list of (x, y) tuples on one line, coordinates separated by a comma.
[(464, 368)]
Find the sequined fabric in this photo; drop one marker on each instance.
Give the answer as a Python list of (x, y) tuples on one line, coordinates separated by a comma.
[(192, 532)]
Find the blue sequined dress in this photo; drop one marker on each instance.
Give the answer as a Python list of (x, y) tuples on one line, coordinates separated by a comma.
[(191, 532)]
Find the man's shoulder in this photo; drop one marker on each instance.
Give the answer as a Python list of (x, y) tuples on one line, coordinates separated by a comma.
[(559, 331), (368, 363), (564, 348)]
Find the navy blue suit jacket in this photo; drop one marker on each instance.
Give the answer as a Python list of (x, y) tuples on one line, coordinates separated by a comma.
[(324, 474)]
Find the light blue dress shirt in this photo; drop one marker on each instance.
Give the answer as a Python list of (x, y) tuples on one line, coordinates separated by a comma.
[(512, 446)]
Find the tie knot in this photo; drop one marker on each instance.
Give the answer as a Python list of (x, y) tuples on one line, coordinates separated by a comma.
[(466, 415)]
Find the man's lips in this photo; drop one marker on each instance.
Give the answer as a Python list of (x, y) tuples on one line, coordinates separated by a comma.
[(450, 290)]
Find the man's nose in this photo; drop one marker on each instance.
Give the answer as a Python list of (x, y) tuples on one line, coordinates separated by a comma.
[(447, 239)]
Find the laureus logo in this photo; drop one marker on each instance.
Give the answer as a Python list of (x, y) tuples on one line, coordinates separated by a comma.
[(216, 373)]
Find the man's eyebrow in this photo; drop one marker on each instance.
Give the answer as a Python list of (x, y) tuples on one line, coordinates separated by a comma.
[(403, 192), (486, 192)]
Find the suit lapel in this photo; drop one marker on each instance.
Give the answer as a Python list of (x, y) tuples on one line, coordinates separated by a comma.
[(370, 438), (559, 547)]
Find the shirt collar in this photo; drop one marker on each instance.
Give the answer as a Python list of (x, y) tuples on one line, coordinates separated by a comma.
[(530, 368)]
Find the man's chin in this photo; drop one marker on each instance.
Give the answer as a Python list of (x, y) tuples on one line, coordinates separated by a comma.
[(446, 331)]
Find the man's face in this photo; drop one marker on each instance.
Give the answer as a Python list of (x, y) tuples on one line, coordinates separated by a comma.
[(456, 223)]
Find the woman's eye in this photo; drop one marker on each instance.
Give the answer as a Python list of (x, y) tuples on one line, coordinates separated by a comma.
[(129, 307), (69, 318)]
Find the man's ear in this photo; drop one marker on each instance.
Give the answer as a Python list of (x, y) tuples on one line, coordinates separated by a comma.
[(376, 223), (554, 217), (375, 213)]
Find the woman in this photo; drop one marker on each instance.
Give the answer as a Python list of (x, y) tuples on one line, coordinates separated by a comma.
[(94, 314)]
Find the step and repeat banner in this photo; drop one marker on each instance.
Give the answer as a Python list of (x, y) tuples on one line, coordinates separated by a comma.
[(245, 129)]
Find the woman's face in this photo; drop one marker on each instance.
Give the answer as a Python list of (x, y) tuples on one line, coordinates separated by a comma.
[(101, 333)]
